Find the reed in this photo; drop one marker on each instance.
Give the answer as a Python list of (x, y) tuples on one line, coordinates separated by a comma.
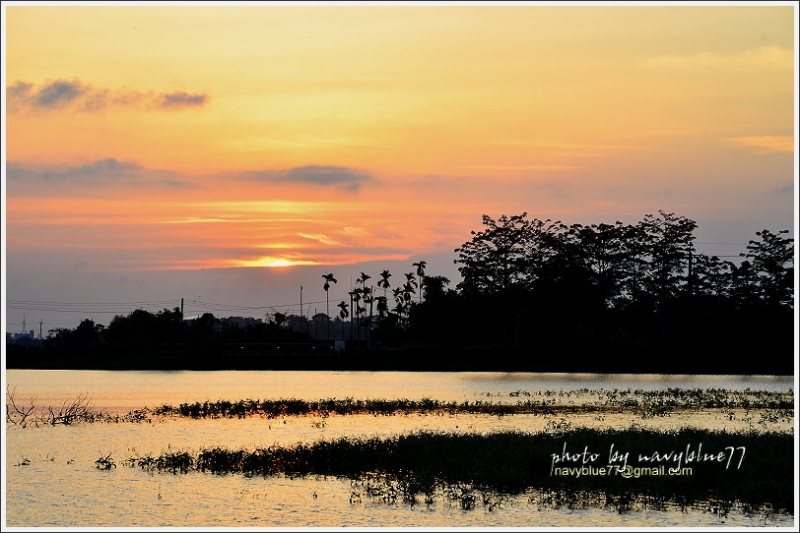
[(773, 406), (644, 403), (413, 466)]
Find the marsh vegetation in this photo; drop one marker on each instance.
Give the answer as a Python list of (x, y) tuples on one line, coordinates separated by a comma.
[(471, 468), (477, 469)]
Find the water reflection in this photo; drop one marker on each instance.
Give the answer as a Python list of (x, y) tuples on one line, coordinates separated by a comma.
[(134, 389), (57, 485)]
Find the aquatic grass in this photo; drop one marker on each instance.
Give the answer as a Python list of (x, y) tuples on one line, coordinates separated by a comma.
[(181, 462), (105, 462), (645, 403), (774, 407), (415, 465)]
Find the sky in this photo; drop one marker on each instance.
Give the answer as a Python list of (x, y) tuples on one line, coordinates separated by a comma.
[(230, 155)]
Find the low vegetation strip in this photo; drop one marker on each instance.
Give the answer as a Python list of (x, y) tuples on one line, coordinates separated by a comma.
[(645, 402), (772, 406), (685, 467)]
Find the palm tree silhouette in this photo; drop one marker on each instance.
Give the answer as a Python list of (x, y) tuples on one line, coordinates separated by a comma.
[(362, 279), (328, 280), (420, 272), (384, 284), (343, 314), (353, 296), (368, 299)]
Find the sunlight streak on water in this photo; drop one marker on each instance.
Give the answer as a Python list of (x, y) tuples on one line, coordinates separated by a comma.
[(126, 390)]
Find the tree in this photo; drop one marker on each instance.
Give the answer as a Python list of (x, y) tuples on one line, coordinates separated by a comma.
[(668, 242), (434, 287), (384, 282), (362, 279), (420, 273), (493, 261), (508, 255), (343, 314), (279, 319), (86, 334), (328, 280), (773, 259), (203, 326), (604, 253)]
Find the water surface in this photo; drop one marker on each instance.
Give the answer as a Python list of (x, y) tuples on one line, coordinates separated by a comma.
[(51, 479)]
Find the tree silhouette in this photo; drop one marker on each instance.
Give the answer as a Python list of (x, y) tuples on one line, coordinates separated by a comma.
[(770, 256), (495, 259), (328, 280), (343, 314), (668, 242), (420, 273), (384, 284), (362, 279)]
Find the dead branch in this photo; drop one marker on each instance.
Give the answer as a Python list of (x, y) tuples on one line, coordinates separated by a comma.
[(14, 414)]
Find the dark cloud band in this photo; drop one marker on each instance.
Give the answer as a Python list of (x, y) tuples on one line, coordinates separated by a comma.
[(181, 99), (345, 178), (107, 172), (75, 94)]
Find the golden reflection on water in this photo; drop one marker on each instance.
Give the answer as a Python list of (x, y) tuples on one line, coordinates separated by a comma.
[(52, 481)]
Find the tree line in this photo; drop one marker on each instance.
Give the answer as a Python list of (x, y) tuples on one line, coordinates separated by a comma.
[(531, 285), (531, 282)]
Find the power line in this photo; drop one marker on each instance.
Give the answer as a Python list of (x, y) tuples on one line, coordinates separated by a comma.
[(125, 307), (724, 243), (91, 303), (80, 307)]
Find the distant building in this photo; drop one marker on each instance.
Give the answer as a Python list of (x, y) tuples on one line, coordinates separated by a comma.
[(242, 322), (23, 339)]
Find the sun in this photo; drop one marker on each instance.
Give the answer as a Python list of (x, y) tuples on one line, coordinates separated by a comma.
[(274, 262)]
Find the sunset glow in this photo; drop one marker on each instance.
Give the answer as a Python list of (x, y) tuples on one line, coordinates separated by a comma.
[(193, 138)]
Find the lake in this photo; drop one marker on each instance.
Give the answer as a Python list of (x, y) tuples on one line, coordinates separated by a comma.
[(52, 479)]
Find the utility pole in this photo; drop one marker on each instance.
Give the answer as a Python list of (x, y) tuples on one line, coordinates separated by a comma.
[(181, 309), (302, 318), (40, 329)]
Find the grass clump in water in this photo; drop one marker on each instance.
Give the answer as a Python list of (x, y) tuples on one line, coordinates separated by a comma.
[(749, 469), (643, 403)]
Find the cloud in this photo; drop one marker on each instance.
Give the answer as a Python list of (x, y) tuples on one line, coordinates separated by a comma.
[(354, 231), (104, 168), (555, 190), (59, 93), (522, 167), (84, 97), (180, 99), (101, 172), (786, 190), (324, 239), (346, 179), (767, 144)]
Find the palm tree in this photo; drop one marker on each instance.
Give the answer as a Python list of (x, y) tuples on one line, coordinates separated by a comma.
[(384, 284), (343, 314), (400, 299), (420, 272), (368, 299), (353, 296), (328, 280), (363, 279), (410, 283), (383, 307)]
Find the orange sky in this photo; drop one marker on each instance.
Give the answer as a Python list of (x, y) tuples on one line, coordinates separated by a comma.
[(191, 137)]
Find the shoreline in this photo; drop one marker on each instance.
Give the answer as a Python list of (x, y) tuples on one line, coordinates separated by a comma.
[(570, 359)]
